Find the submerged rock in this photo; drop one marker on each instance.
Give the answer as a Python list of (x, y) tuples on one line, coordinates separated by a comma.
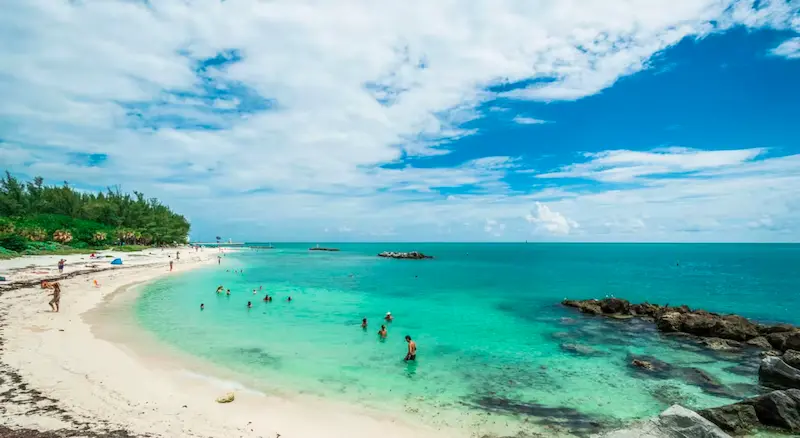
[(721, 344), (675, 422), (775, 373), (584, 350)]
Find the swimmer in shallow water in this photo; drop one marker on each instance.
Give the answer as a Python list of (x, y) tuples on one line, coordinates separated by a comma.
[(389, 317), (202, 306), (289, 299), (228, 292), (364, 323), (382, 332), (249, 304)]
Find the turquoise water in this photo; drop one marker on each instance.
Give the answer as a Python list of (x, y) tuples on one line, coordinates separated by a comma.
[(492, 336)]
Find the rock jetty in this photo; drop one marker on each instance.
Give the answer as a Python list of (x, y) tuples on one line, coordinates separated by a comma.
[(319, 248), (413, 255), (721, 331)]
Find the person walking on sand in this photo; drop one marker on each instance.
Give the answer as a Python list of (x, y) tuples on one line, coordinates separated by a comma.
[(177, 255), (382, 332), (61, 264), (170, 266), (412, 349), (219, 260), (54, 303)]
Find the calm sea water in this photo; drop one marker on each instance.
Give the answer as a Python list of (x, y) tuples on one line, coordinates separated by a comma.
[(492, 336)]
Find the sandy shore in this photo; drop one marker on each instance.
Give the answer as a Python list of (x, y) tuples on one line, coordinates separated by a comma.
[(73, 374)]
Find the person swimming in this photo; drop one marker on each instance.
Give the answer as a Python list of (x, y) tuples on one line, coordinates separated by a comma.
[(364, 323), (220, 289), (289, 299), (382, 332), (202, 306), (254, 292), (412, 349), (389, 317), (249, 304), (266, 297), (228, 292)]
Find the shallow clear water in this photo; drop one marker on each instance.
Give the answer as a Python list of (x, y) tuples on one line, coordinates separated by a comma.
[(492, 336)]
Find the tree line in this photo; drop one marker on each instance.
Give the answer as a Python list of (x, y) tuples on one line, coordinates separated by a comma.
[(34, 212)]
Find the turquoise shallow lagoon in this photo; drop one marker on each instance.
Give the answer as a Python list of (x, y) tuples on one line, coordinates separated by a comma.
[(492, 336)]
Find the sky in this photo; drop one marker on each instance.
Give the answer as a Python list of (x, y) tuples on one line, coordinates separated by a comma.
[(417, 120)]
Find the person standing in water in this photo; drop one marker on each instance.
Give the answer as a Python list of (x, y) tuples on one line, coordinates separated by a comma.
[(249, 305), (202, 306), (228, 292), (412, 349), (382, 332), (388, 317), (289, 299), (364, 323)]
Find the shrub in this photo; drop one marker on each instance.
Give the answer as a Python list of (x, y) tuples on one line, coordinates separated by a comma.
[(6, 226), (34, 234), (62, 236), (13, 242)]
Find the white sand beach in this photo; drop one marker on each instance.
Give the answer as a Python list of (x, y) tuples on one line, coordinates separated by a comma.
[(70, 371)]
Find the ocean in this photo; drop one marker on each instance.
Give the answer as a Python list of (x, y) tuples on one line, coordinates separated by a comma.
[(494, 344)]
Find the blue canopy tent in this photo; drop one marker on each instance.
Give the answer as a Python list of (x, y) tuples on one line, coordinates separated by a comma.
[(116, 261)]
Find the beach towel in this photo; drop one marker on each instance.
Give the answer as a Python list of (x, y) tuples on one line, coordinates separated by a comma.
[(116, 262)]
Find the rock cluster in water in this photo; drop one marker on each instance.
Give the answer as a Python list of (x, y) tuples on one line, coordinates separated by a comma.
[(414, 255), (722, 331), (319, 248), (779, 368)]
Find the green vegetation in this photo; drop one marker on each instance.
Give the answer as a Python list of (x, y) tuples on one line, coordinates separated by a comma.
[(39, 219)]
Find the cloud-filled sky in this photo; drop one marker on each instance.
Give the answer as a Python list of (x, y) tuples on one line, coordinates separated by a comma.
[(355, 120)]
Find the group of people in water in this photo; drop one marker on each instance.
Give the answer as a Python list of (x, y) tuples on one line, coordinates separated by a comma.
[(411, 354)]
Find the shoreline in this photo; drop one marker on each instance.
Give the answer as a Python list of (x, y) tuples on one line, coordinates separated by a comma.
[(66, 371)]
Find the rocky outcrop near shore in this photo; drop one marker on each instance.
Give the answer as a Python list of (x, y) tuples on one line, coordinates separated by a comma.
[(727, 330), (778, 409), (413, 255), (675, 422)]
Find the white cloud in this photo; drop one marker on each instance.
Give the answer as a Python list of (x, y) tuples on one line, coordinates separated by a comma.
[(529, 121), (551, 221), (788, 49), (624, 165), (494, 228), (351, 86)]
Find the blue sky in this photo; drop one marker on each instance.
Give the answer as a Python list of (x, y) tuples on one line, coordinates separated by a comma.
[(626, 120)]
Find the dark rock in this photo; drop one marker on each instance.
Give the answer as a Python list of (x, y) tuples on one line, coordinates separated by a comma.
[(738, 418), (779, 409), (645, 309), (585, 306), (785, 340), (675, 422), (760, 342), (792, 358), (650, 366), (413, 255), (769, 329), (670, 322), (775, 373), (615, 305)]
